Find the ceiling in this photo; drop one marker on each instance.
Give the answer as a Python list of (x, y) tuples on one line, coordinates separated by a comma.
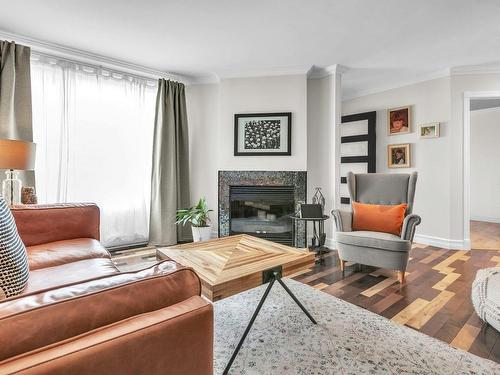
[(382, 42)]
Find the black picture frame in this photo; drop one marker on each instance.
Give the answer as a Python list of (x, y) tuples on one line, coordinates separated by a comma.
[(238, 152)]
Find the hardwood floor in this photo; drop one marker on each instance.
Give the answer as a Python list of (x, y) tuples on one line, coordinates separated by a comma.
[(435, 299), (485, 235)]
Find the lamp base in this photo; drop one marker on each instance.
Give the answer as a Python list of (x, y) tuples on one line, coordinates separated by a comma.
[(11, 188)]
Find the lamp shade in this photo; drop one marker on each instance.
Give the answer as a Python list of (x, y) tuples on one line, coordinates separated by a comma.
[(18, 155)]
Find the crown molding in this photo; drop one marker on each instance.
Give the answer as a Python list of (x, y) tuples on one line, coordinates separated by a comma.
[(317, 72), (61, 51), (490, 68), (255, 73), (398, 84)]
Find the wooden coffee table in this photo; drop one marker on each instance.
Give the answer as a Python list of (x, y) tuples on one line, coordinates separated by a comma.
[(230, 265)]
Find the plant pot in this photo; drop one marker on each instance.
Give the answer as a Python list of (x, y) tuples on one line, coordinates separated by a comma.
[(201, 233)]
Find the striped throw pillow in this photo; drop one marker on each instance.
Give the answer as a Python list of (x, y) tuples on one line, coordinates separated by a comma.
[(14, 267)]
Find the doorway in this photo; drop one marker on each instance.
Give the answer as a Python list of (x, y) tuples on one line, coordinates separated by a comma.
[(482, 135)]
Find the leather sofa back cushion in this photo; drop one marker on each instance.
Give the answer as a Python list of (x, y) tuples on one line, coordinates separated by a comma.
[(378, 217), (40, 319), (40, 224)]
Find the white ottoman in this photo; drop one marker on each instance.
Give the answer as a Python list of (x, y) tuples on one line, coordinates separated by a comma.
[(486, 296)]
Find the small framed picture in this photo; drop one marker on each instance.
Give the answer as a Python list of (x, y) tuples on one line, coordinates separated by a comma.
[(263, 134), (399, 120), (429, 130), (399, 156)]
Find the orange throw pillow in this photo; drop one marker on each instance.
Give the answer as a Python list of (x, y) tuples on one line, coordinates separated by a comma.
[(378, 217)]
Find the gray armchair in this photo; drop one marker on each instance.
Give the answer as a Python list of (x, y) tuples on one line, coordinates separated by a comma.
[(378, 249)]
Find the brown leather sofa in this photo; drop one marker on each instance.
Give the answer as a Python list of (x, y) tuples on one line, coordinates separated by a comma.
[(80, 315)]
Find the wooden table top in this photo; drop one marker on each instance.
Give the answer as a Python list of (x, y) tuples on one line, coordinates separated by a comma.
[(232, 264)]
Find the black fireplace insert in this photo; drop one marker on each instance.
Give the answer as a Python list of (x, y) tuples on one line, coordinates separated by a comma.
[(262, 211)]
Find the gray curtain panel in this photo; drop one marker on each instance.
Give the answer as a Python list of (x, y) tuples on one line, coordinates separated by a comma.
[(15, 98), (170, 174)]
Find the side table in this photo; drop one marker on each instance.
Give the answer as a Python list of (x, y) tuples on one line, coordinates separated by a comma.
[(319, 236)]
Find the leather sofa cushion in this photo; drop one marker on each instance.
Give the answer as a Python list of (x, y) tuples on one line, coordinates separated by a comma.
[(60, 252), (69, 273), (42, 223), (177, 339), (377, 240), (40, 319)]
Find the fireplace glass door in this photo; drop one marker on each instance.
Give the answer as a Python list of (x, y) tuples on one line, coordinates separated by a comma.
[(263, 211)]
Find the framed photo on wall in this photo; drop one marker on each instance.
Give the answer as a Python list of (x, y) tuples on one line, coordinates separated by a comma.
[(399, 156), (399, 120), (429, 130), (263, 134)]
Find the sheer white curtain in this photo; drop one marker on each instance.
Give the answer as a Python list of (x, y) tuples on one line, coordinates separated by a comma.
[(94, 135)]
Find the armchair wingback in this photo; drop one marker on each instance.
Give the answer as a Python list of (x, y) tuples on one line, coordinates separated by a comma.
[(375, 248)]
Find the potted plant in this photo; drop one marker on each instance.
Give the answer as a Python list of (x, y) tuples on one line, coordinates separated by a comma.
[(199, 218)]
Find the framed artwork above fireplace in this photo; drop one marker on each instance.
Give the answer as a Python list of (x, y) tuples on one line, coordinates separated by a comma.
[(263, 134)]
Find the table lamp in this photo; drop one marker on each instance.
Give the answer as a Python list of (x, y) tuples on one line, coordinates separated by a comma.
[(15, 155)]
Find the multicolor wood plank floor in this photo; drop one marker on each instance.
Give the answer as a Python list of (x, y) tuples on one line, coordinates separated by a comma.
[(434, 300)]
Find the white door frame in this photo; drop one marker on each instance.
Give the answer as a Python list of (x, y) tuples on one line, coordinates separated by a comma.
[(468, 95)]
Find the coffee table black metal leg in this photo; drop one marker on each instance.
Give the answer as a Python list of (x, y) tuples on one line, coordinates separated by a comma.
[(296, 300), (277, 277), (259, 306)]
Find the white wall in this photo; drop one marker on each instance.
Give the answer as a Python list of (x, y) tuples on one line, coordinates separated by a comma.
[(263, 94), (203, 118), (430, 157), (484, 162), (323, 113), (459, 85), (211, 110)]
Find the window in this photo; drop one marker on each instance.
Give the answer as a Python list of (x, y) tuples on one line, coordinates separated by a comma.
[(94, 135)]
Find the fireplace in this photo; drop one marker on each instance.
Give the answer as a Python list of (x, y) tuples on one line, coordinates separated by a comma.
[(259, 203), (262, 211)]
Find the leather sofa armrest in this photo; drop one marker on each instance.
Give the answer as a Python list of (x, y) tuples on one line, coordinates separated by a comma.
[(343, 220), (409, 226), (38, 224), (176, 340), (47, 317)]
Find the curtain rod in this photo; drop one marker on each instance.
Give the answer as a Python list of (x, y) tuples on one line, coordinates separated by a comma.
[(56, 50)]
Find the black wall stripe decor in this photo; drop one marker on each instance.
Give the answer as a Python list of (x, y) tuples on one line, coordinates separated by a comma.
[(370, 137)]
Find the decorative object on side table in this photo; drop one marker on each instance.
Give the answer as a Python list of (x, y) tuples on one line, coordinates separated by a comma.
[(429, 130), (28, 195), (318, 198), (15, 155), (199, 218), (399, 120), (399, 156), (263, 134)]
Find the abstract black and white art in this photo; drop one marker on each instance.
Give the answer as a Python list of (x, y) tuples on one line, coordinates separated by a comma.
[(262, 134)]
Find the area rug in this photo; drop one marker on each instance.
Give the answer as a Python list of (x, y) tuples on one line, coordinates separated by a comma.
[(346, 340)]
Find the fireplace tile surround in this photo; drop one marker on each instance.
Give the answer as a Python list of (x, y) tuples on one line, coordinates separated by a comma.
[(298, 179)]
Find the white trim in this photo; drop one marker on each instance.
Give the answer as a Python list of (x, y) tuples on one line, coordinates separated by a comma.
[(330, 243), (91, 58), (491, 68), (317, 72), (257, 73), (487, 219), (468, 95), (396, 85), (443, 243)]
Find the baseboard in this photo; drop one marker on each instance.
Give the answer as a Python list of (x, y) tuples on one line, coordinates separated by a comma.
[(487, 219), (330, 243), (444, 243)]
